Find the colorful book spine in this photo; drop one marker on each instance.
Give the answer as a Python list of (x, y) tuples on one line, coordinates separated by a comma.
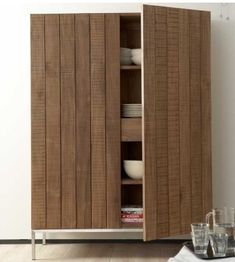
[(130, 220), (132, 214)]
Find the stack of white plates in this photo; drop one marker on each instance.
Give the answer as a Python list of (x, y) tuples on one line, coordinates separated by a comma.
[(131, 110)]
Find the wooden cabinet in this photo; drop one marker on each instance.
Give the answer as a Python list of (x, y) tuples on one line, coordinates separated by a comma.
[(79, 138)]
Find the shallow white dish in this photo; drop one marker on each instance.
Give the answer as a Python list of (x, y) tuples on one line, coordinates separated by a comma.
[(134, 168)]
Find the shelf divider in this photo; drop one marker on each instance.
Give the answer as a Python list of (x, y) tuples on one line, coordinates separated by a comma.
[(130, 67), (131, 129), (129, 181)]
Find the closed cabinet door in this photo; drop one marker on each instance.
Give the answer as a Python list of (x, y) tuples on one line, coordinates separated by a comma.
[(75, 75), (177, 120)]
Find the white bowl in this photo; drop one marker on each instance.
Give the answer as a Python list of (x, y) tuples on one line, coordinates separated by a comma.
[(136, 52), (134, 168), (136, 60), (125, 51), (125, 60)]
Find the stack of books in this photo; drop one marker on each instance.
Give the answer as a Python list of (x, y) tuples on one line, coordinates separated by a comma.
[(132, 214)]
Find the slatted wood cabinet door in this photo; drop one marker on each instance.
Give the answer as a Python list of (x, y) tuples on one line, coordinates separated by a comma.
[(75, 121), (177, 120)]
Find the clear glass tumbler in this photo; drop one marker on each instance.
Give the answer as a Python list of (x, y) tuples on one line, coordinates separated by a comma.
[(219, 243), (200, 237), (224, 223)]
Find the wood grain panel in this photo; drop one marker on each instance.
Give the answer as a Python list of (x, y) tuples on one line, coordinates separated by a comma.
[(206, 112), (173, 121), (184, 111), (83, 125), (113, 133), (132, 195), (149, 136), (131, 129), (195, 115), (161, 121), (38, 113), (177, 121), (130, 86), (52, 47), (68, 140), (132, 151), (97, 34), (130, 31)]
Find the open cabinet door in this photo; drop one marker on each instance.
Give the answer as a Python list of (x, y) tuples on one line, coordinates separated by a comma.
[(177, 120)]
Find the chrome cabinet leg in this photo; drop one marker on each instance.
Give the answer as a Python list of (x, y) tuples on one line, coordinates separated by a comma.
[(44, 238), (33, 246)]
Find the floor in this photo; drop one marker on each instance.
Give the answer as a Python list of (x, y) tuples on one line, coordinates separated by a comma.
[(115, 252)]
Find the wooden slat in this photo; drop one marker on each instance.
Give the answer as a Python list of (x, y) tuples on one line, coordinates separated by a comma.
[(206, 112), (149, 136), (52, 47), (97, 34), (130, 67), (68, 121), (184, 111), (173, 121), (38, 122), (113, 136), (130, 181), (161, 121), (131, 129), (195, 115), (83, 104), (130, 86)]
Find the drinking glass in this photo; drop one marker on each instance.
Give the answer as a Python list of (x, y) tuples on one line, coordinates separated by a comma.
[(219, 243), (224, 223), (200, 237)]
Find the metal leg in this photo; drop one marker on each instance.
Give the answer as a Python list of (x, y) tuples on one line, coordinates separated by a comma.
[(33, 246), (44, 238)]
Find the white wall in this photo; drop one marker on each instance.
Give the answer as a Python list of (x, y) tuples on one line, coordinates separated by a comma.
[(15, 106)]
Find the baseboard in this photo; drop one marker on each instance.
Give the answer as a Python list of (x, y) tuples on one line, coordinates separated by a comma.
[(87, 241)]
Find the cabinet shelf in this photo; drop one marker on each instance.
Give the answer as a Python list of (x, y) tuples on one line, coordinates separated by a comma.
[(130, 67), (131, 129), (129, 181)]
